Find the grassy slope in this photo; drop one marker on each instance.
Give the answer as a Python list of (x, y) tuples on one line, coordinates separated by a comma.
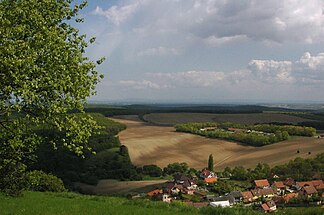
[(69, 203)]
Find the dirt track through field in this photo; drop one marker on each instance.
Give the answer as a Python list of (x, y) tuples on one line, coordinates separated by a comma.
[(162, 145)]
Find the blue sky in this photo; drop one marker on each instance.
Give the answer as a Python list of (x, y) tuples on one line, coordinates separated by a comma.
[(209, 51)]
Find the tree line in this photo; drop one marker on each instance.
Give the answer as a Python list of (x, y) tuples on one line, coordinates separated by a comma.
[(266, 133)]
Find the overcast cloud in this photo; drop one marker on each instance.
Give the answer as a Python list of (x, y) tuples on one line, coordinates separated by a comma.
[(185, 48)]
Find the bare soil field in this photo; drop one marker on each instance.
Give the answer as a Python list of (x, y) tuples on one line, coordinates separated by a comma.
[(162, 145), (178, 118), (109, 186)]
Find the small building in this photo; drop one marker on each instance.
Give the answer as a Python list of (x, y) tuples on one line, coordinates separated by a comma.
[(228, 198), (308, 191), (264, 183), (208, 176), (220, 204), (237, 195), (265, 192), (289, 182), (268, 207), (154, 192), (290, 196), (247, 196), (279, 187)]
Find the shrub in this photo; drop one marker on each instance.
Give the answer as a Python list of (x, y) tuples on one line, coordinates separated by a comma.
[(40, 181)]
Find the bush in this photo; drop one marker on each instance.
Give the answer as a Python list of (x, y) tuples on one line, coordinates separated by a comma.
[(40, 181)]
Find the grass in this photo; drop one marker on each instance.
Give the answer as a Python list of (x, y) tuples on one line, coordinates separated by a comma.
[(68, 203), (35, 203)]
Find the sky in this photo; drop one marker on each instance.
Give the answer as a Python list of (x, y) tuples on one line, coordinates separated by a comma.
[(207, 51)]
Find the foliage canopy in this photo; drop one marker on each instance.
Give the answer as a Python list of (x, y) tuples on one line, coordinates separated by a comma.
[(43, 76)]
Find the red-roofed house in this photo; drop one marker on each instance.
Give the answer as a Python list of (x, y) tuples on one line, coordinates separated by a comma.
[(265, 208), (290, 196), (318, 183), (308, 191), (279, 187), (208, 176), (247, 197), (289, 182), (261, 183)]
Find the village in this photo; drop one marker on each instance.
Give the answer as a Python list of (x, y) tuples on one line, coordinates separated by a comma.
[(263, 196)]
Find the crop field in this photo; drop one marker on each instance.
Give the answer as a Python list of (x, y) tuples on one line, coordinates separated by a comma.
[(161, 145), (252, 118), (109, 187)]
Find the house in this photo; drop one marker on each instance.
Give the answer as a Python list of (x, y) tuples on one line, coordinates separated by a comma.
[(154, 192), (265, 208), (264, 183), (208, 176), (307, 191), (318, 184), (180, 179), (266, 193), (228, 198), (164, 197), (237, 195), (279, 187), (290, 196), (188, 191), (268, 207), (289, 182), (220, 204), (247, 197), (172, 188)]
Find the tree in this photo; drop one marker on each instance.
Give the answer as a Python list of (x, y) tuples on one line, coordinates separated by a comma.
[(211, 162), (43, 76)]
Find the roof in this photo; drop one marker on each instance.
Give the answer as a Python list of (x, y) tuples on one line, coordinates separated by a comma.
[(304, 183), (220, 203), (205, 173), (210, 180), (154, 192), (247, 195), (181, 177), (169, 185), (271, 204), (262, 183), (317, 183), (289, 181), (236, 194), (289, 196), (279, 184), (310, 190), (260, 192), (265, 207), (320, 187)]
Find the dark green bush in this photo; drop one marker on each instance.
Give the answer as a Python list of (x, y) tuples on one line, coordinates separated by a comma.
[(40, 181)]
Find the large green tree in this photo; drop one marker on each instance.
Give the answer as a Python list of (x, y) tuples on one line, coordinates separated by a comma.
[(43, 76)]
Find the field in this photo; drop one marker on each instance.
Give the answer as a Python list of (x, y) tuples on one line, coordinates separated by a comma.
[(179, 118), (161, 145), (109, 187)]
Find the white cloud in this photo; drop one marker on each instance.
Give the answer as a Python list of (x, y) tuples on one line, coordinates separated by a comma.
[(215, 41), (307, 70), (159, 51), (270, 70), (189, 78), (144, 84), (116, 14)]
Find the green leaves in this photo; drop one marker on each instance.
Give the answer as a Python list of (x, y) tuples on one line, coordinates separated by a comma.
[(44, 76)]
